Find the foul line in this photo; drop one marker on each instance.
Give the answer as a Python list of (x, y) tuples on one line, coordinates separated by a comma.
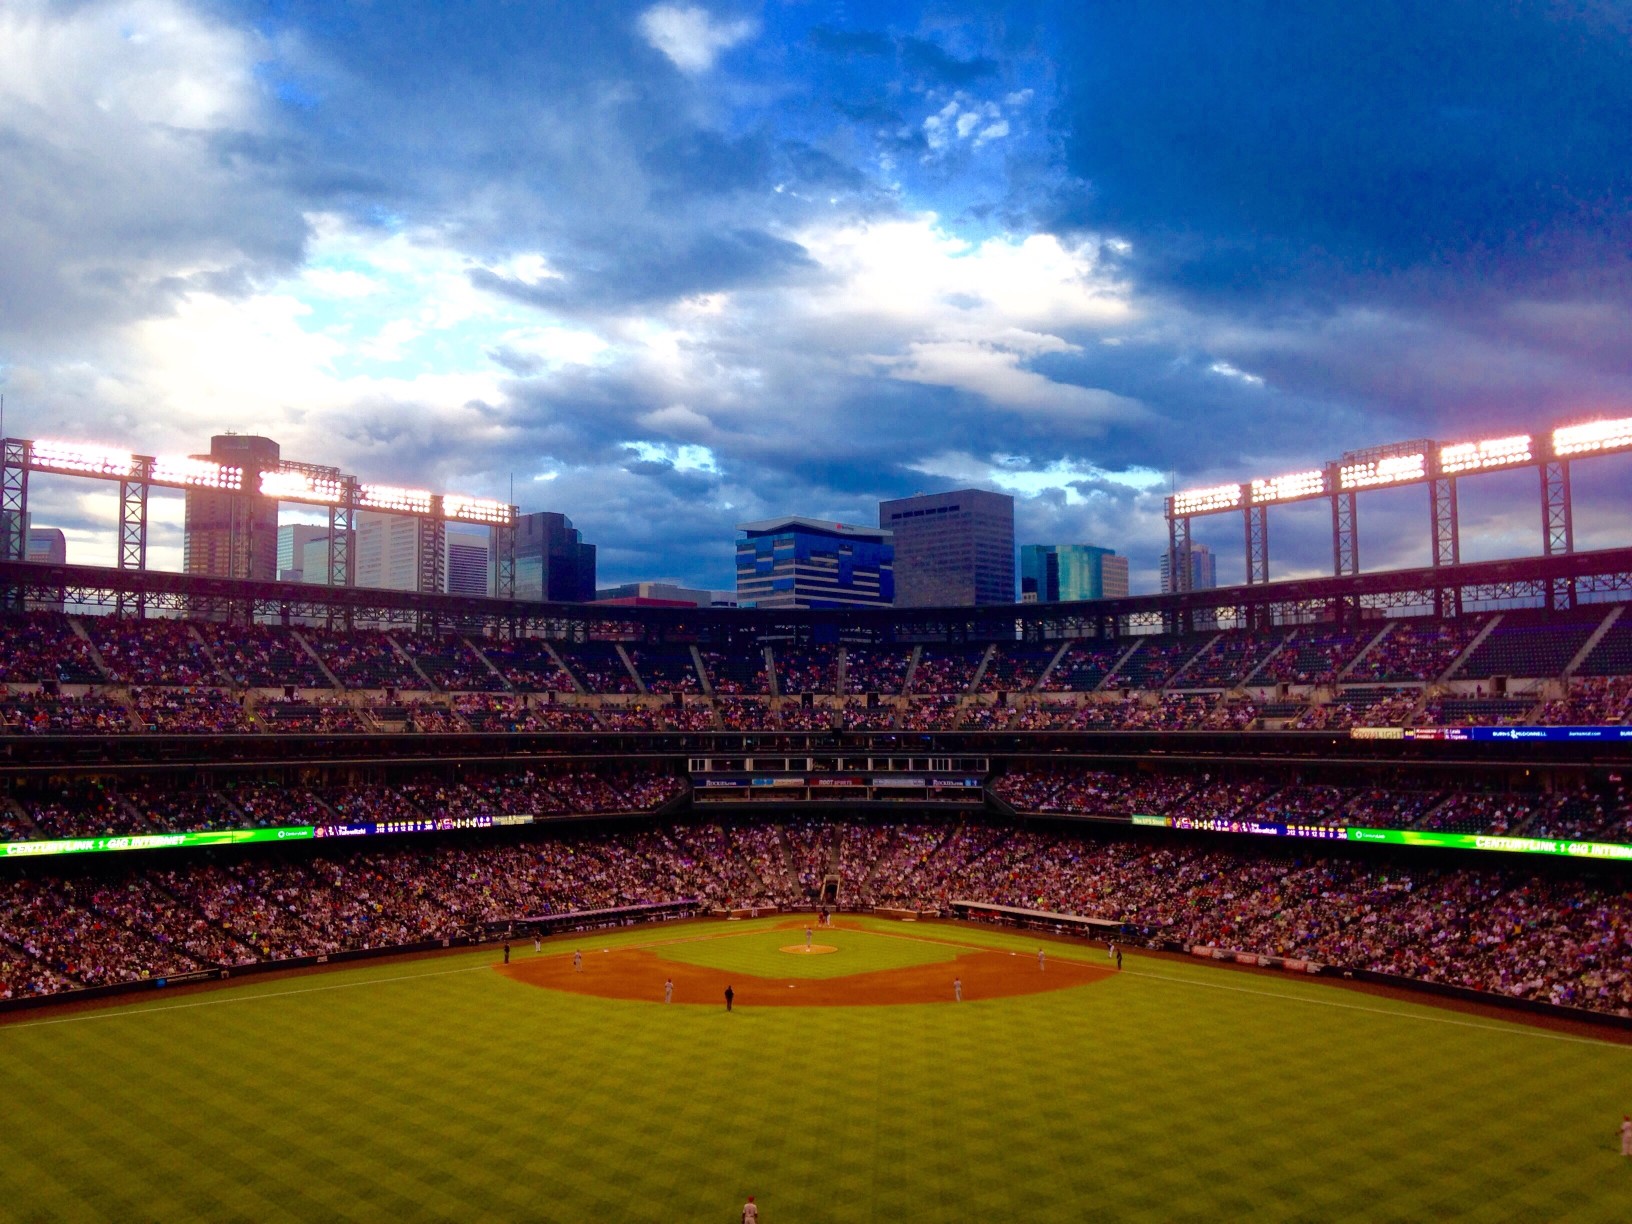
[(1515, 1029), (231, 996)]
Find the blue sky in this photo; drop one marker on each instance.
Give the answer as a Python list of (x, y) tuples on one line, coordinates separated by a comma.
[(673, 267)]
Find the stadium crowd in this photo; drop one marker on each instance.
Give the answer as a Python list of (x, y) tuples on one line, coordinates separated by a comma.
[(1559, 939), (1604, 814), (94, 807), (183, 677)]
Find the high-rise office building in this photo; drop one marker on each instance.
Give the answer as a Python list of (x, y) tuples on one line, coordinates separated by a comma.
[(44, 546), (468, 567), (553, 563), (1203, 569), (387, 551), (293, 554), (234, 535), (809, 563), (312, 561), (1054, 573), (388, 555), (952, 549)]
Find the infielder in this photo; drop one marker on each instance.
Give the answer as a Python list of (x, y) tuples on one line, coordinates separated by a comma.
[(1040, 960), (957, 990), (668, 991), (577, 961), (1626, 1134)]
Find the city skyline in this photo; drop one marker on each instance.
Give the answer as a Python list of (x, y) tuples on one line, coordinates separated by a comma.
[(720, 262)]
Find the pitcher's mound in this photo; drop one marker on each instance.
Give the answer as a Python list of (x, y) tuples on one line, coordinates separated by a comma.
[(812, 950)]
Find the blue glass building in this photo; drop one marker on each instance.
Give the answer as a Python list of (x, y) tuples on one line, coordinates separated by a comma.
[(808, 563)]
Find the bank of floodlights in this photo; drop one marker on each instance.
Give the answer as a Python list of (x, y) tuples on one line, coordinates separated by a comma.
[(475, 510), (302, 487), (392, 499), (1289, 488), (191, 473), (81, 460), (1383, 471), (1208, 500), (1593, 437), (1485, 456)]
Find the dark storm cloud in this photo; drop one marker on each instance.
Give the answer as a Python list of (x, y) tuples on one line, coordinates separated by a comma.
[(639, 270), (1335, 149), (1350, 225), (925, 59), (922, 59)]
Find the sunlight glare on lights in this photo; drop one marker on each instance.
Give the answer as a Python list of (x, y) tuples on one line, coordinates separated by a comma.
[(1202, 501), (1592, 436), (1481, 456), (89, 460), (1289, 488), (197, 473)]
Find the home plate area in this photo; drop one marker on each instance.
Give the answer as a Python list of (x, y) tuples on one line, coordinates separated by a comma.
[(640, 973)]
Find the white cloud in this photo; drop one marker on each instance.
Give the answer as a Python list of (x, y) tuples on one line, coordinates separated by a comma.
[(116, 187), (1017, 475), (1225, 370), (968, 120), (994, 371), (685, 458), (690, 36)]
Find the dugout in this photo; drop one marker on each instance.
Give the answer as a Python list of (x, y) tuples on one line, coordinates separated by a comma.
[(1040, 920)]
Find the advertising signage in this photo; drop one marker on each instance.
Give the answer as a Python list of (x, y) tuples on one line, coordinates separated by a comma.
[(1398, 837), (240, 837), (153, 841), (1512, 735)]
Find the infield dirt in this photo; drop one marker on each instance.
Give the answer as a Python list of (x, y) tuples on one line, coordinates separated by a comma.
[(639, 973)]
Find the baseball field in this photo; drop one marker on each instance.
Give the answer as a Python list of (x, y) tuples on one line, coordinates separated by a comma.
[(846, 1084)]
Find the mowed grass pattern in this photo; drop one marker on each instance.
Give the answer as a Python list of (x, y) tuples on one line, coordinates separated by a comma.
[(759, 953), (440, 1090)]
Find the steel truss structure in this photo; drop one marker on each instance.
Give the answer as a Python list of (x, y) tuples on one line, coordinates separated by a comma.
[(1598, 576), (289, 481), (1419, 461)]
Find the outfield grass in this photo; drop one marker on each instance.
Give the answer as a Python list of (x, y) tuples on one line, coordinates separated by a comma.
[(439, 1090)]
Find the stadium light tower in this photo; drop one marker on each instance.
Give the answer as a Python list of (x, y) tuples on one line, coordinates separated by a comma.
[(273, 481), (1418, 461)]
